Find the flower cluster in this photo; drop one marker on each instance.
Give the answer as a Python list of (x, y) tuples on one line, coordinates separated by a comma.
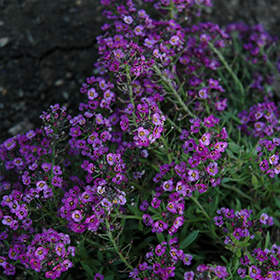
[(85, 208), (255, 40), (196, 174), (162, 259), (207, 272), (150, 146), (240, 225), (48, 252), (268, 158), (262, 264), (261, 120)]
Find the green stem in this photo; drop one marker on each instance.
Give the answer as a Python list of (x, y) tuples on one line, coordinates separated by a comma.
[(126, 217), (174, 92), (167, 148), (174, 124), (238, 191), (110, 235), (221, 57), (130, 93), (200, 207)]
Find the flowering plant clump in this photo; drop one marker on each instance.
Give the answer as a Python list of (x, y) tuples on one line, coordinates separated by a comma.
[(169, 171)]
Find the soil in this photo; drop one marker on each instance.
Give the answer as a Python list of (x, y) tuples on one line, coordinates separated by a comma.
[(48, 48)]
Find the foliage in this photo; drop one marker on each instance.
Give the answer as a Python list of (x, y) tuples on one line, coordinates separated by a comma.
[(170, 171)]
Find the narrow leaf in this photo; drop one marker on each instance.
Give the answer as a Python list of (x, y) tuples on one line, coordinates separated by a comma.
[(267, 240), (189, 239), (87, 269)]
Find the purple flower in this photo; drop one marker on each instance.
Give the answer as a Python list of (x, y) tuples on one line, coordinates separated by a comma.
[(60, 249), (210, 121), (160, 250), (218, 220), (212, 168), (159, 226), (175, 40), (144, 206), (9, 144), (193, 175), (263, 218), (264, 165), (221, 271), (205, 139), (187, 258), (168, 185), (203, 93), (254, 271), (189, 275), (238, 233), (41, 185), (195, 127), (128, 19), (7, 220), (142, 133), (30, 134), (134, 273), (40, 253), (98, 276), (110, 158), (155, 203), (35, 265), (147, 220), (138, 30), (92, 94), (21, 213), (77, 216), (179, 221)]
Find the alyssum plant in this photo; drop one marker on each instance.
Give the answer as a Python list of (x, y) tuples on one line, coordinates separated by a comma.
[(170, 171)]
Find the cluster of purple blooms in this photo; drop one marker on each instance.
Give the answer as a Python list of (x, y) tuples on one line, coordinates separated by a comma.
[(47, 252), (256, 42), (140, 44), (268, 157), (197, 174), (263, 264), (207, 272), (85, 208), (261, 120), (238, 225), (161, 260), (81, 169)]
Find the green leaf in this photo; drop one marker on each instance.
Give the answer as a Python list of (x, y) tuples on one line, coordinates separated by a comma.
[(277, 201), (230, 153), (94, 263), (214, 205), (100, 256), (140, 225), (224, 259), (238, 253), (87, 269), (238, 204), (225, 180), (189, 239), (267, 240), (234, 148), (183, 232), (110, 277), (276, 222), (160, 237), (255, 181)]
